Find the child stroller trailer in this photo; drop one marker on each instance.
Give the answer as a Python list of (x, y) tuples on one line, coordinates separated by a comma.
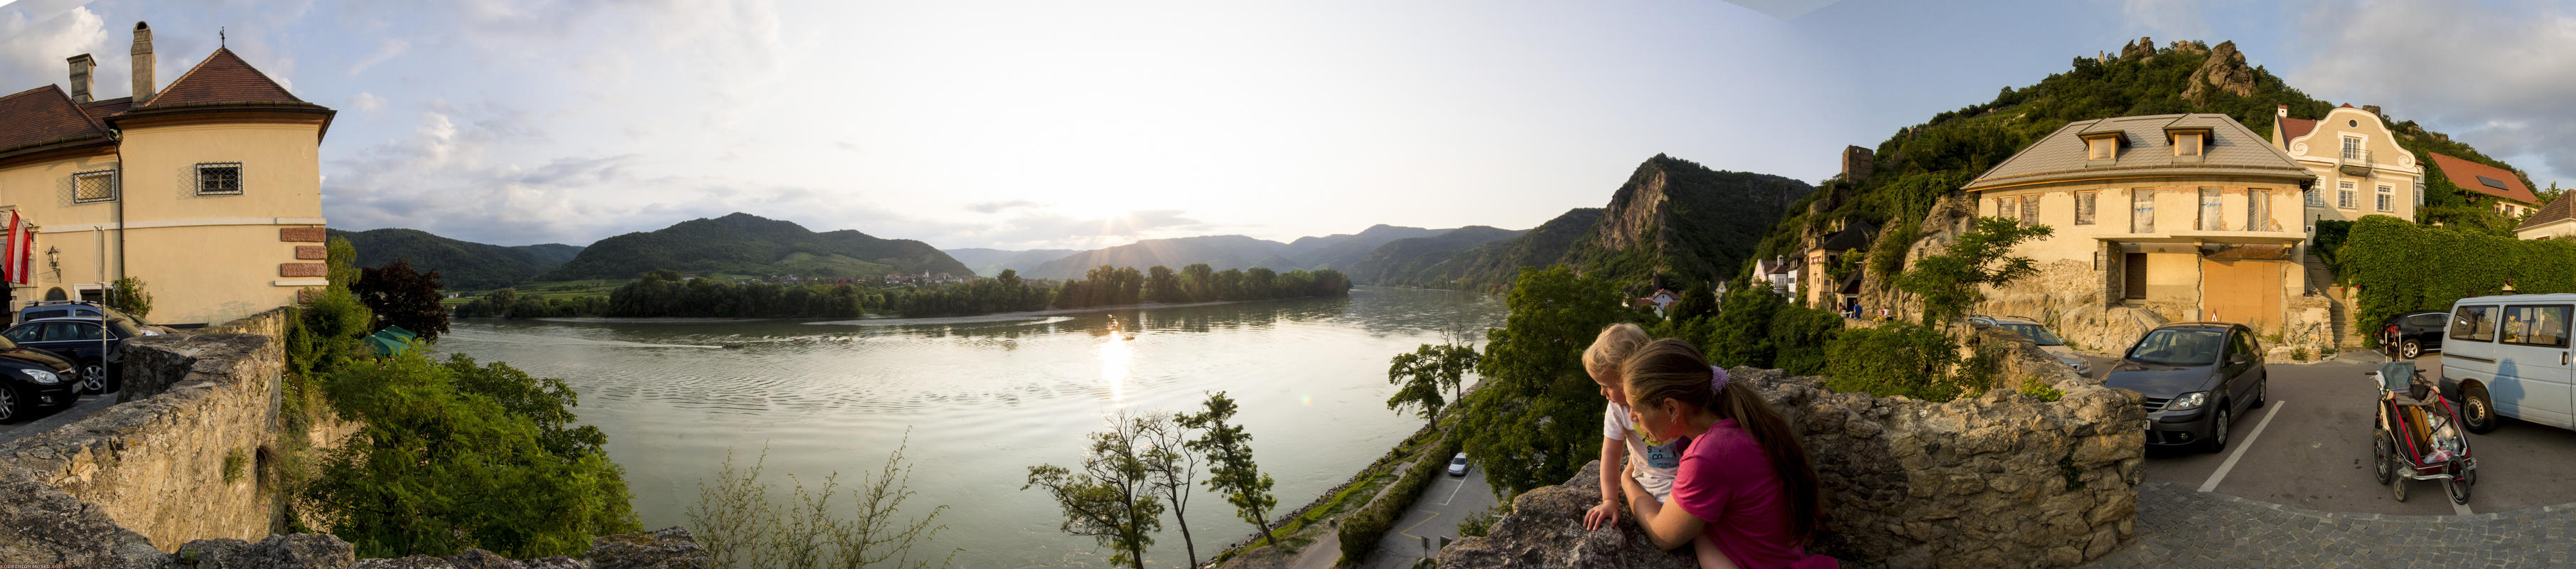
[(2418, 435)]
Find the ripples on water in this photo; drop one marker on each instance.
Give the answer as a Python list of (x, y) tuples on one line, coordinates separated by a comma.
[(983, 399)]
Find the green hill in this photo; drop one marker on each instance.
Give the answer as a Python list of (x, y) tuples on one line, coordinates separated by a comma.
[(1342, 251), (989, 262), (746, 244), (1423, 255), (1919, 164), (1673, 222), (461, 265)]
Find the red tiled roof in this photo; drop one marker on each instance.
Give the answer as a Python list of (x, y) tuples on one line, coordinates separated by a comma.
[(2465, 174), (2294, 128), (222, 78), (41, 115), (101, 109)]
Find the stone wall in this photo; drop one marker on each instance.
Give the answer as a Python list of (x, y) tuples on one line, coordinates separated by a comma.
[(175, 475), (185, 463), (2000, 480)]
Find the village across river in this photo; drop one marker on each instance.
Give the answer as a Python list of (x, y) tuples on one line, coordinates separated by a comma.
[(982, 399)]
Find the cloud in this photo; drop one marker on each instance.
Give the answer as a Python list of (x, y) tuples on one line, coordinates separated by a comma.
[(35, 40), (366, 101), (997, 207), (2494, 75), (390, 48)]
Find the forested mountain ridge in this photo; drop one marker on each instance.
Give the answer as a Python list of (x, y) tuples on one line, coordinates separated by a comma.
[(1424, 255), (1341, 252), (1219, 251), (461, 265), (746, 244), (989, 262), (1920, 163), (1673, 222)]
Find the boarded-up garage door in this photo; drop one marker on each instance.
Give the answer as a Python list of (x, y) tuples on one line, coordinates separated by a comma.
[(2245, 292)]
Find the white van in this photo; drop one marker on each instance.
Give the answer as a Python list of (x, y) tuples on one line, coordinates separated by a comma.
[(2508, 356)]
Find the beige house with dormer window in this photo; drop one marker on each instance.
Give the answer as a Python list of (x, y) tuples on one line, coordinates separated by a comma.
[(2359, 166), (209, 189), (2163, 218)]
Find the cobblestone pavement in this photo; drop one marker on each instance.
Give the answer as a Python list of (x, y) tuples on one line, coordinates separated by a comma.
[(2179, 527)]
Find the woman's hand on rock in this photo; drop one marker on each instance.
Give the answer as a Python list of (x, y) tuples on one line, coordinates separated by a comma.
[(1601, 514)]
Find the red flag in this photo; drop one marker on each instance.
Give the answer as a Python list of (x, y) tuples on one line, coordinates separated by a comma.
[(22, 243)]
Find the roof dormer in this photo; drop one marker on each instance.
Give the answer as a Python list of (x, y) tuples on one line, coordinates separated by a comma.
[(2102, 146), (2190, 143)]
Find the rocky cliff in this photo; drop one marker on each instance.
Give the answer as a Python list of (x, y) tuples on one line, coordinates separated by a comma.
[(2000, 480), (2224, 71)]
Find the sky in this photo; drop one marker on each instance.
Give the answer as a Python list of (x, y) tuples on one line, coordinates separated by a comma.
[(1021, 125)]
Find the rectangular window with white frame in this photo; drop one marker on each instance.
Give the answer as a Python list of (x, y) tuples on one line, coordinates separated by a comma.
[(2314, 199), (2387, 198), (94, 186), (219, 178), (2344, 197), (2210, 217)]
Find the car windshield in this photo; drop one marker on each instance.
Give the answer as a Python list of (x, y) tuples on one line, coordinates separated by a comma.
[(2178, 346), (2036, 334)]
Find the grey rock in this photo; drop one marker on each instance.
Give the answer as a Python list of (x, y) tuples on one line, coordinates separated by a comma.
[(666, 548)]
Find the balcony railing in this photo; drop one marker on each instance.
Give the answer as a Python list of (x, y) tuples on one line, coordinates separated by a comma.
[(2355, 161)]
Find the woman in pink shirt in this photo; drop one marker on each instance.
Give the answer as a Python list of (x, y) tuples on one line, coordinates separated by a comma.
[(1745, 482)]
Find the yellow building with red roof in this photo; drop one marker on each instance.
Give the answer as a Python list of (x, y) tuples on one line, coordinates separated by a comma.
[(209, 190)]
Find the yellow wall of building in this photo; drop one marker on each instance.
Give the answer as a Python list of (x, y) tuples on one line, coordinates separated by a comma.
[(204, 259), (2171, 247), (2321, 149)]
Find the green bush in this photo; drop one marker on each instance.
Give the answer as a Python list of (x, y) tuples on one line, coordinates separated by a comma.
[(1896, 358), (1360, 531), (1756, 328), (2402, 267), (452, 460)]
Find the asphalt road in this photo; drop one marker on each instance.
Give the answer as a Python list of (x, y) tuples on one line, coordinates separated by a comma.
[(47, 420), (2310, 447), (1435, 515)]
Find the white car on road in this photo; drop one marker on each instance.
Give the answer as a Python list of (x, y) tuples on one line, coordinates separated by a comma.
[(1458, 465)]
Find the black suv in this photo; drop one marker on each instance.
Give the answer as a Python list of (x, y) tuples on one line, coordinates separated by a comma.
[(2414, 332), (2196, 377), (88, 342), (31, 379)]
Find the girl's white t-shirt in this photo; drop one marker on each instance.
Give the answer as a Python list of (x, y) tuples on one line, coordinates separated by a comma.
[(1656, 461)]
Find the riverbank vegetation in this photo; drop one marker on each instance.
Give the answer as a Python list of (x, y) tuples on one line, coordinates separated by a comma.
[(448, 455), (1144, 465), (668, 294), (741, 527)]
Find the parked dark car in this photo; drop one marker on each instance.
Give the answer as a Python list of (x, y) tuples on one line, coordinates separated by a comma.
[(81, 341), (32, 379), (2197, 377), (2414, 332)]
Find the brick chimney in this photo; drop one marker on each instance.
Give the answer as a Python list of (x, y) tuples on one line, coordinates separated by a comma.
[(81, 81), (142, 52)]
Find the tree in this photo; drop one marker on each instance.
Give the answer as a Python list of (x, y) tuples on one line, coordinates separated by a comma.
[(2551, 193), (444, 466), (1171, 470), (403, 297), (1536, 415), (1949, 282), (1111, 499), (1423, 374), (127, 296), (1231, 470), (1162, 285)]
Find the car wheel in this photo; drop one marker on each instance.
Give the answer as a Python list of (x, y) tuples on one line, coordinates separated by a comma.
[(2218, 429), (2478, 414), (93, 380), (2412, 349), (11, 405)]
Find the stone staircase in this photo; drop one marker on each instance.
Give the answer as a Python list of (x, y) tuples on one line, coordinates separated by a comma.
[(2321, 283)]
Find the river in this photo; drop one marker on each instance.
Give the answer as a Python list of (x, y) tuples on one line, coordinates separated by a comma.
[(982, 399)]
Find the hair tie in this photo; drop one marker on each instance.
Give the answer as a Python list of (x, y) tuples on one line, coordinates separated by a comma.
[(1716, 379)]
